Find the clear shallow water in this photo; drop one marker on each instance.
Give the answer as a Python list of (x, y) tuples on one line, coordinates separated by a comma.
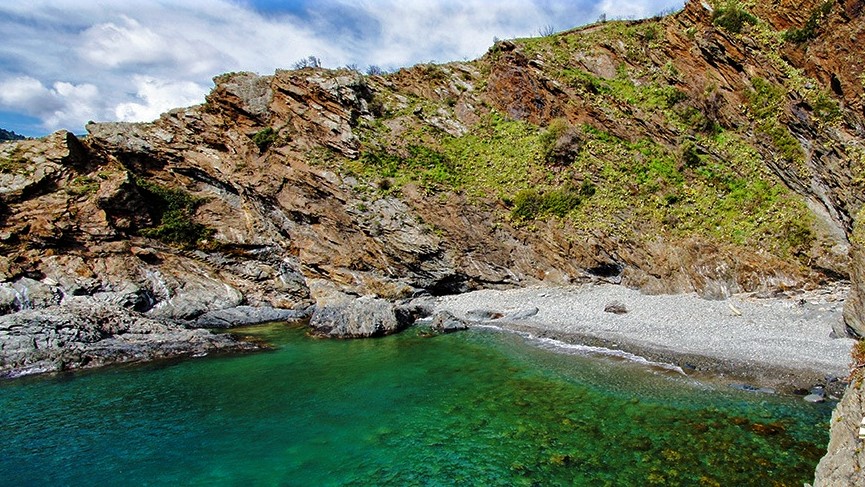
[(474, 408)]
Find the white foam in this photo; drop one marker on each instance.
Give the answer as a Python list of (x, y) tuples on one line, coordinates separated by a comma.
[(559, 346), (570, 348)]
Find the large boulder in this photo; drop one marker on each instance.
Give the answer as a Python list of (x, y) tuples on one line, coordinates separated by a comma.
[(445, 322), (359, 318)]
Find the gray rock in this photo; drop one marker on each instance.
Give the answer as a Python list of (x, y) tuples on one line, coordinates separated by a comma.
[(247, 315), (196, 297), (445, 322), (616, 307), (86, 333), (363, 317), (521, 314), (483, 314), (9, 299), (35, 294), (415, 309), (840, 465), (814, 398)]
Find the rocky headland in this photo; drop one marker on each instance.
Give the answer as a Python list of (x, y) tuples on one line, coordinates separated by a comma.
[(713, 153)]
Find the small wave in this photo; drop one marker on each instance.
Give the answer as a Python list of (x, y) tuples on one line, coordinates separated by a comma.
[(559, 346)]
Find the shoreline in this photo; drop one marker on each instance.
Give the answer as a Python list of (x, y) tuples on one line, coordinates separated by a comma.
[(783, 343)]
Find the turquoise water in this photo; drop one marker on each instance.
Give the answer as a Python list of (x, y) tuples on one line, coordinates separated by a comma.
[(474, 408)]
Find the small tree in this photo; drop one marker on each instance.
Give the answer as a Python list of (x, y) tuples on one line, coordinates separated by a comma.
[(308, 62), (547, 30)]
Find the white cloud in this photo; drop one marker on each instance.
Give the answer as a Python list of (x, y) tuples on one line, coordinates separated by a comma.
[(158, 95), (66, 61), (62, 105)]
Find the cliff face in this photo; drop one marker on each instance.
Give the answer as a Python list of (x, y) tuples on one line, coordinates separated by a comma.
[(689, 153)]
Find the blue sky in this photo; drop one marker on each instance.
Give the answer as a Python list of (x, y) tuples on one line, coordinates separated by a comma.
[(64, 62)]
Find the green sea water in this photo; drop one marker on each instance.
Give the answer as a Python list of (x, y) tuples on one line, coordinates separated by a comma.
[(473, 408)]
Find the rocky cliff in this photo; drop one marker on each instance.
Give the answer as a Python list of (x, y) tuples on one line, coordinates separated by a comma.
[(717, 150)]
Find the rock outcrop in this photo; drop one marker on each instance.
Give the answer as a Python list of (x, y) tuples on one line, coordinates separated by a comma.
[(843, 464), (85, 333)]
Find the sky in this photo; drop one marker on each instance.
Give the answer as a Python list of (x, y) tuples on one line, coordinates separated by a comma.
[(66, 62)]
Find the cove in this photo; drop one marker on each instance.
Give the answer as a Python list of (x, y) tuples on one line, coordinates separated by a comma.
[(473, 408)]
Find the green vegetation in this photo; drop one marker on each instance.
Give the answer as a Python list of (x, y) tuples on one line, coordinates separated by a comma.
[(809, 30), (264, 138), (82, 186), (421, 164), (732, 17), (713, 184), (174, 210), (767, 105), (12, 161), (530, 204)]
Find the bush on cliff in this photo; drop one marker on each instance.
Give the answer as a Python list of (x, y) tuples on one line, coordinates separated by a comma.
[(173, 209)]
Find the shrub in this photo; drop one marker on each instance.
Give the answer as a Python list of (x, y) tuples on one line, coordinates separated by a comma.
[(264, 138), (173, 209), (809, 30), (530, 204), (732, 17), (307, 62), (560, 143)]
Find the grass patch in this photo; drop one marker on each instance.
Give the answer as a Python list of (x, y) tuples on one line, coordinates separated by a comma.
[(82, 186), (531, 204), (767, 105)]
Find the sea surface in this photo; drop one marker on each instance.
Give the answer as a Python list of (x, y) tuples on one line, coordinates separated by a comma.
[(474, 408)]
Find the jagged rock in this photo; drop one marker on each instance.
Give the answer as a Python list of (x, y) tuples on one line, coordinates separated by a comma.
[(360, 318), (247, 315), (415, 309), (841, 466), (445, 322), (35, 294), (85, 333), (854, 305)]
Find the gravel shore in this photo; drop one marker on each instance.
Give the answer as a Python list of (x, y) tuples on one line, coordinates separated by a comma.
[(780, 342)]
